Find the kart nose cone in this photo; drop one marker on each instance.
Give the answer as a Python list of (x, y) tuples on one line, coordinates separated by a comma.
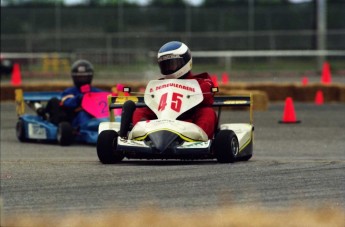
[(162, 139)]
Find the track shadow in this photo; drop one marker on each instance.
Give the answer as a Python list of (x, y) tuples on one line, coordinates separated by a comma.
[(158, 162)]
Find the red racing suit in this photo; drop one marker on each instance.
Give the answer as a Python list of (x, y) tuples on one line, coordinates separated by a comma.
[(202, 115)]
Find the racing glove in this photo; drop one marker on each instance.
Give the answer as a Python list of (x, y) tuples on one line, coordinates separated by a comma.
[(79, 98)]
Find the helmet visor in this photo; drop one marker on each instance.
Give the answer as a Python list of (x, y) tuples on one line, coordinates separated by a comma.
[(171, 65), (80, 80)]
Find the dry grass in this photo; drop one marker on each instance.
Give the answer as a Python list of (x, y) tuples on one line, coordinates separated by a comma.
[(262, 92), (229, 216)]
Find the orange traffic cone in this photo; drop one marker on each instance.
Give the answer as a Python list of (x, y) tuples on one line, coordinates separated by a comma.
[(326, 77), (142, 90), (319, 98), (305, 80), (215, 80), (16, 78), (225, 78), (289, 115)]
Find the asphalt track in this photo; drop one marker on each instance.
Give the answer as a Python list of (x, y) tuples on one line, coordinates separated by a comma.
[(293, 164)]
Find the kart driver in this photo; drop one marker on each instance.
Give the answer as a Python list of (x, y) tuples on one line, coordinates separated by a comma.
[(175, 62), (68, 108)]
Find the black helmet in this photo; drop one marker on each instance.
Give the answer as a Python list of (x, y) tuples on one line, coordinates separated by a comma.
[(174, 59), (82, 72)]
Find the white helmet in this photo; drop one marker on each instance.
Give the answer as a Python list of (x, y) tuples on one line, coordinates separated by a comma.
[(174, 59)]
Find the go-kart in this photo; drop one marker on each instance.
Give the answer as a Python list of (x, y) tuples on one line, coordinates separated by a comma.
[(168, 138), (33, 127)]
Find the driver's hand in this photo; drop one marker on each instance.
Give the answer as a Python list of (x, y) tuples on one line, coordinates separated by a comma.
[(85, 88), (79, 98)]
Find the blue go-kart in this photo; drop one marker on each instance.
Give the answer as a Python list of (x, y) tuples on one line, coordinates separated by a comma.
[(33, 127)]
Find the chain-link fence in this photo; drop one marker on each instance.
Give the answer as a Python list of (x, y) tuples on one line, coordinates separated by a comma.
[(121, 40)]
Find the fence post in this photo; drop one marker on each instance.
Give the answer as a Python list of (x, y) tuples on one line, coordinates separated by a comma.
[(227, 63)]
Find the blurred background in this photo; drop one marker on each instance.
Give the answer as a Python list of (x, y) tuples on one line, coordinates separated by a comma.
[(251, 40)]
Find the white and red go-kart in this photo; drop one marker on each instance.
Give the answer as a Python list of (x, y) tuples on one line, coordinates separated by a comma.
[(168, 138)]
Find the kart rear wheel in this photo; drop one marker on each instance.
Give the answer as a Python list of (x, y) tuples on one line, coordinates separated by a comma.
[(20, 131), (106, 147), (65, 134), (226, 146)]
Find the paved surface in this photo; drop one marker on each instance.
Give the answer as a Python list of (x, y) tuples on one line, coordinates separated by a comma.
[(292, 164)]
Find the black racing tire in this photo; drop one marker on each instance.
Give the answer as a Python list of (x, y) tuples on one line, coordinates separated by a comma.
[(65, 135), (246, 158), (106, 147), (226, 146), (20, 131)]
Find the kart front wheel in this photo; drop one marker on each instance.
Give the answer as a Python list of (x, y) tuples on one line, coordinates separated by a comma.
[(20, 131), (106, 147), (246, 158), (226, 146), (65, 134)]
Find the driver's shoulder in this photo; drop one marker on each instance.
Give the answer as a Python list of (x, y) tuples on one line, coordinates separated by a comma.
[(203, 75), (95, 89), (70, 90)]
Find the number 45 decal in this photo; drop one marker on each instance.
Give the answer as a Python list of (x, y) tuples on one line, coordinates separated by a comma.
[(176, 102)]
